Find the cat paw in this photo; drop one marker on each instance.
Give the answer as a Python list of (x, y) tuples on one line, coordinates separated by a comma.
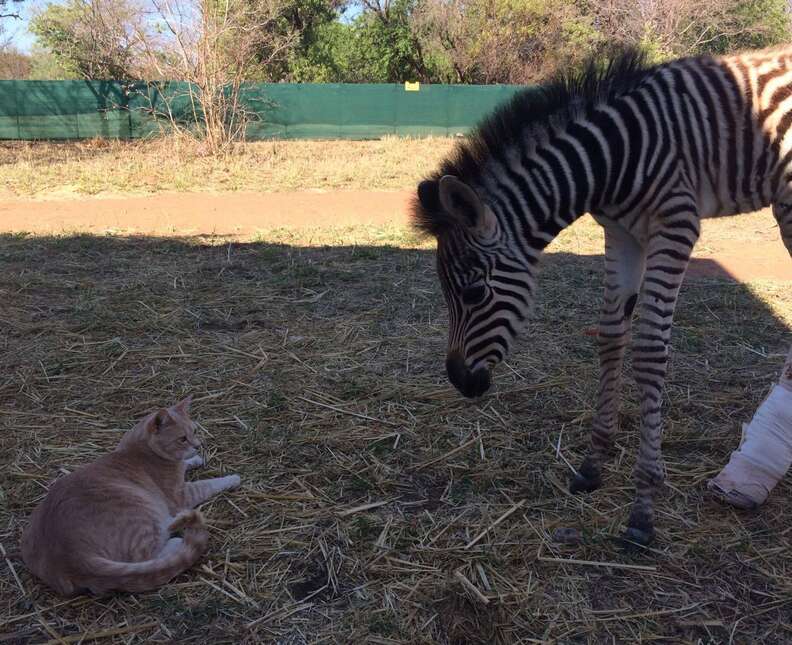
[(232, 481), (194, 462)]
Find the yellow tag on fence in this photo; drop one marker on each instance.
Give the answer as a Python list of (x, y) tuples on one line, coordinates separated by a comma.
[(412, 87)]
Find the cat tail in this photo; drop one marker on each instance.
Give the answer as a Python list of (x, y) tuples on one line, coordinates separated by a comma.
[(150, 574)]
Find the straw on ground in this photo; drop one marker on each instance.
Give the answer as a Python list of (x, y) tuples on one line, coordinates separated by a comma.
[(378, 505)]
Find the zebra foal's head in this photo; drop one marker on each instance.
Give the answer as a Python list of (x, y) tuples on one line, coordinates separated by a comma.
[(486, 288), (495, 203)]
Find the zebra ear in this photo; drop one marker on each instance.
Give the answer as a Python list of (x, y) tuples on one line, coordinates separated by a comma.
[(462, 203), (429, 196)]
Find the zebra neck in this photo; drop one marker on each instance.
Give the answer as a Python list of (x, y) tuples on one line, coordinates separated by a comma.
[(548, 190)]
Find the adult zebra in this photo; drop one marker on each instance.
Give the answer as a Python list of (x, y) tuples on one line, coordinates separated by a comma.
[(648, 151)]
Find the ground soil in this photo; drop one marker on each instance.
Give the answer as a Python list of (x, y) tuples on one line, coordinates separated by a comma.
[(199, 213), (748, 255)]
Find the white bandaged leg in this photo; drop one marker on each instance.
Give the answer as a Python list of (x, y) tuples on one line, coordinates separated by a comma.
[(765, 452)]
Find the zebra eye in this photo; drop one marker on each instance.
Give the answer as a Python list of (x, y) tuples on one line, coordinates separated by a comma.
[(474, 295)]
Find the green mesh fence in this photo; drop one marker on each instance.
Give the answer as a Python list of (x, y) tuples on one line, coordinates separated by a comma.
[(87, 109)]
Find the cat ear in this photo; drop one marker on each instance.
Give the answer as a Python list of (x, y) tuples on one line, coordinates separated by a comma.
[(156, 421), (183, 406)]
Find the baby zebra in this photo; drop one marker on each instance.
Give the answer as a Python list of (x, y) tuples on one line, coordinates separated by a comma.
[(648, 151)]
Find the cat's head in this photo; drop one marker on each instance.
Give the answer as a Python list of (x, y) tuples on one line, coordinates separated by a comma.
[(170, 433)]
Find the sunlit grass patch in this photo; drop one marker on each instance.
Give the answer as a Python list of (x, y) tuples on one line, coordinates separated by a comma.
[(42, 169)]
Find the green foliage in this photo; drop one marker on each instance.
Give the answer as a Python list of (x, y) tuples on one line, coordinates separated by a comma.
[(308, 27), (45, 66), (383, 47), (93, 39), (752, 24), (53, 30), (323, 58), (509, 41), (389, 48), (377, 47), (462, 41), (653, 46)]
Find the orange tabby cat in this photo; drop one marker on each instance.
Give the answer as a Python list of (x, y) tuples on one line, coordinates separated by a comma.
[(108, 525)]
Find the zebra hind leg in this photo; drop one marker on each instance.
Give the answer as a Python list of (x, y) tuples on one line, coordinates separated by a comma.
[(624, 265)]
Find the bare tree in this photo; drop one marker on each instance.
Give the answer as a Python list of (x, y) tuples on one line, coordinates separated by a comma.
[(14, 65), (525, 41), (98, 39), (442, 25), (488, 41), (10, 8), (214, 45), (671, 28)]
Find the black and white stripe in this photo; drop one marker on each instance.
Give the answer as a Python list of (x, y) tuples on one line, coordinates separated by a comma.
[(648, 152)]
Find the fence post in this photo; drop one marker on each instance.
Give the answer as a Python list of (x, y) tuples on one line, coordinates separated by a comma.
[(77, 119), (16, 106), (450, 89), (125, 90)]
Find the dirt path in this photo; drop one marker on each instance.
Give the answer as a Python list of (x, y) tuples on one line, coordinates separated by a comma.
[(749, 252), (744, 261), (194, 213)]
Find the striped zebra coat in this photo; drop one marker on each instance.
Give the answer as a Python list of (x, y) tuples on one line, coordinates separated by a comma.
[(648, 152)]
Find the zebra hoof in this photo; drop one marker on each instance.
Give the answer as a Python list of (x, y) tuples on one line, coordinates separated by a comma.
[(634, 539), (582, 484)]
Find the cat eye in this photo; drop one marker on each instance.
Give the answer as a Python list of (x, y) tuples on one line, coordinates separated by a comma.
[(184, 439), (473, 295)]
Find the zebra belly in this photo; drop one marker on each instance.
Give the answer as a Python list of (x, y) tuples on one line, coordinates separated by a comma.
[(712, 205), (740, 208)]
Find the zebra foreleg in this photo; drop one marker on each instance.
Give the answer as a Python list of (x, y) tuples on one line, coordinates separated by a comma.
[(668, 254), (624, 267)]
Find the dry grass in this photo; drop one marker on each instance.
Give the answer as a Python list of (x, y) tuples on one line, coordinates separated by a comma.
[(377, 505), (178, 164)]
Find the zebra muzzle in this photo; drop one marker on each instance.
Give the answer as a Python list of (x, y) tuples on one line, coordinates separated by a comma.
[(470, 383)]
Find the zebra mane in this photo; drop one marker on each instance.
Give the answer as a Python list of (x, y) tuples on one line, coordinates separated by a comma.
[(526, 117)]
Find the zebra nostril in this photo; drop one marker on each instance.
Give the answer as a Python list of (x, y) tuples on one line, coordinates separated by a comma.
[(479, 382), (456, 370), (470, 384)]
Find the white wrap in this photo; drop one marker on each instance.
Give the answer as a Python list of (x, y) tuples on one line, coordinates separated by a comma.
[(764, 455)]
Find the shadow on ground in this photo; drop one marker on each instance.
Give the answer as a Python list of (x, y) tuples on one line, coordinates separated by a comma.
[(318, 377)]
